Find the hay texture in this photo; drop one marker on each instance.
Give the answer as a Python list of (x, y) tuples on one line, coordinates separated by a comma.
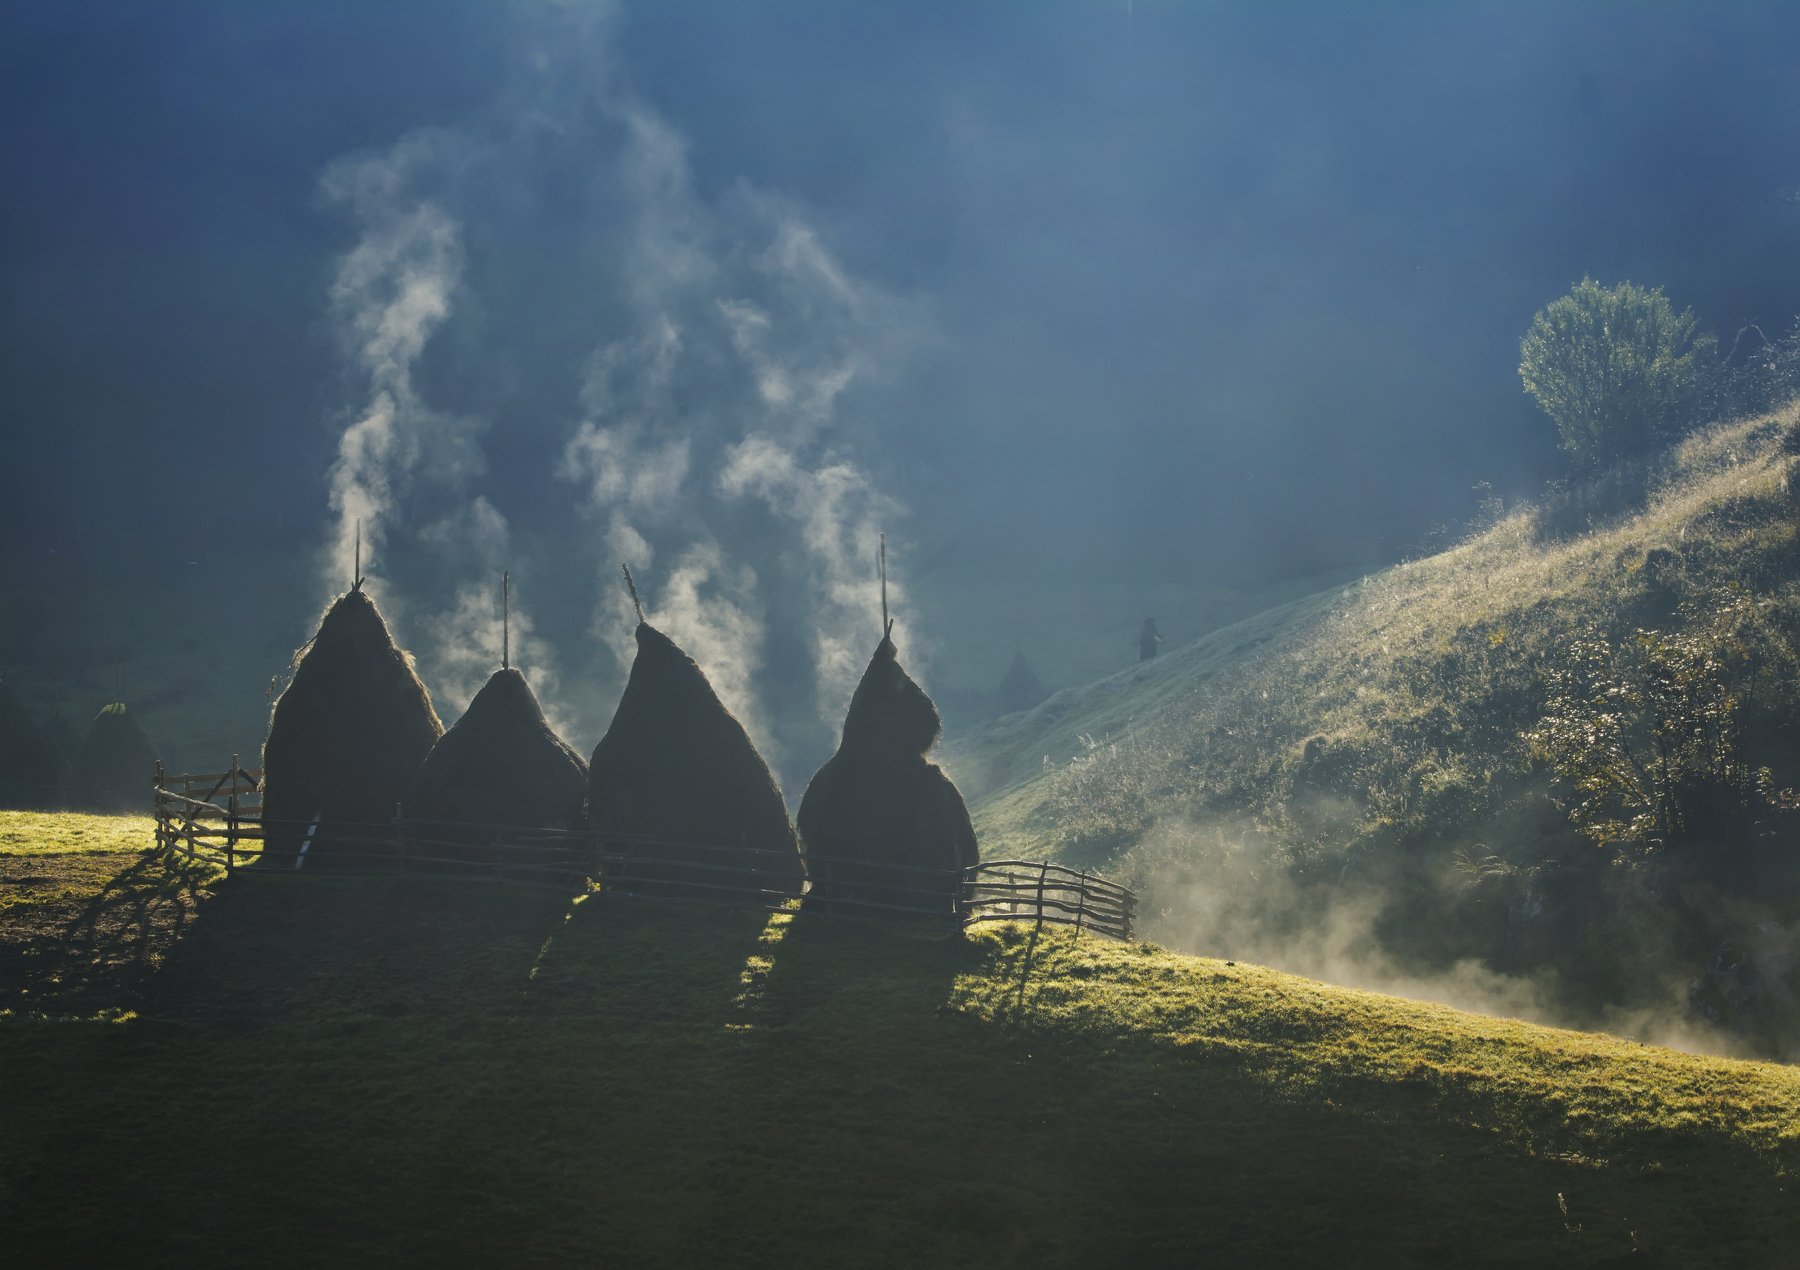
[(878, 809), (676, 765), (348, 735), (32, 768), (501, 764), (115, 771)]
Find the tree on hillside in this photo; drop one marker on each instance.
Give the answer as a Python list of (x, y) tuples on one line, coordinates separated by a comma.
[(1613, 367)]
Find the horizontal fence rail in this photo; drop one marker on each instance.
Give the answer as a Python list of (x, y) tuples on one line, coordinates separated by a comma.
[(217, 817)]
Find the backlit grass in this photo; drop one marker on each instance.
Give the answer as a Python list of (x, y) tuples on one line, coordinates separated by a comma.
[(353, 1071)]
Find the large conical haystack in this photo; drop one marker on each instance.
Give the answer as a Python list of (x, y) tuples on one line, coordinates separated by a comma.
[(501, 764), (115, 770), (1020, 689), (677, 765), (31, 766), (878, 809), (348, 735)]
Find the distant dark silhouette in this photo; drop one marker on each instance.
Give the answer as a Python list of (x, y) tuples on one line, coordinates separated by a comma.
[(677, 765), (32, 768), (349, 733), (1148, 639), (879, 802), (1020, 689), (501, 764), (116, 768), (63, 735)]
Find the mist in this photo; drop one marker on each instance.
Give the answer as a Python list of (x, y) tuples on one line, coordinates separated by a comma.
[(1221, 890), (1096, 312)]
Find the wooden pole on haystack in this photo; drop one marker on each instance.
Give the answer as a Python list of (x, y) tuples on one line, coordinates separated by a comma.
[(886, 625), (356, 576), (506, 620), (632, 587)]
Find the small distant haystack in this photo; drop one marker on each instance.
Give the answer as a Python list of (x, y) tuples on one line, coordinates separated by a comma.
[(350, 731), (879, 803), (677, 765), (31, 766), (501, 764), (115, 770), (1020, 689)]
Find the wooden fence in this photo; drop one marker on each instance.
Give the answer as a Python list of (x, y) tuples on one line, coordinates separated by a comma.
[(217, 817)]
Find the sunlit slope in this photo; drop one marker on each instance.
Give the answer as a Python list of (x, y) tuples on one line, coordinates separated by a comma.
[(342, 1071), (1394, 706), (1014, 755)]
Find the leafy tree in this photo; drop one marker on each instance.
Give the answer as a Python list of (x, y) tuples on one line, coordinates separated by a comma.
[(1613, 367)]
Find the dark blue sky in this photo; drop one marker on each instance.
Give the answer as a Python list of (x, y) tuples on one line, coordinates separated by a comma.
[(1205, 290)]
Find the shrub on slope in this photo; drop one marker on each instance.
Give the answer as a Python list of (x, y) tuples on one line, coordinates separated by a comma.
[(1384, 739)]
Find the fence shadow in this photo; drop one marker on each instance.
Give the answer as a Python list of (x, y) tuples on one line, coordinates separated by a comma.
[(105, 955)]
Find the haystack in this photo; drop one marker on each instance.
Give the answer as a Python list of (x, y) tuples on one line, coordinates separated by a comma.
[(31, 766), (348, 734), (678, 766), (878, 809), (116, 768), (501, 764), (1021, 688)]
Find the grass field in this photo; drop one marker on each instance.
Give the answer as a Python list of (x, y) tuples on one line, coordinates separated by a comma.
[(308, 1070)]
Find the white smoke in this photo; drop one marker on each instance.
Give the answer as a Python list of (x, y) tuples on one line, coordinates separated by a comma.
[(713, 438), (728, 394), (469, 638), (391, 293), (392, 290), (839, 516)]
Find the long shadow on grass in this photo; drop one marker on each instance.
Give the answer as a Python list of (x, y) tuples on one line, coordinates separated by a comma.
[(464, 1073), (105, 955)]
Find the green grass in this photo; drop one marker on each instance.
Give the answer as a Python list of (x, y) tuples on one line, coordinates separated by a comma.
[(27, 833), (1413, 687), (310, 1070)]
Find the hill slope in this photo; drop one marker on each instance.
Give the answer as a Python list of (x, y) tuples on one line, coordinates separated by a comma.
[(299, 1070), (1371, 746)]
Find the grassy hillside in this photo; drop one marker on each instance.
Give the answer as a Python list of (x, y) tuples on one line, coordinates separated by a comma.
[(297, 1070), (1366, 665), (1375, 738)]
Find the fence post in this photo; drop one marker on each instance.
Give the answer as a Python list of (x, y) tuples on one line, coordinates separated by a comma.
[(156, 805), (231, 820), (1043, 872)]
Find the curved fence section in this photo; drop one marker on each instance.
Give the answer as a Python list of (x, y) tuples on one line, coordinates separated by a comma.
[(217, 817)]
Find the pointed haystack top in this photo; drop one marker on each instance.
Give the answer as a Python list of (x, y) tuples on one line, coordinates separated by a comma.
[(501, 764), (31, 766), (350, 731), (889, 713), (1020, 689), (116, 766), (675, 764)]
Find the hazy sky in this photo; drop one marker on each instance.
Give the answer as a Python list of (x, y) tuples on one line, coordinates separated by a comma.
[(1206, 291)]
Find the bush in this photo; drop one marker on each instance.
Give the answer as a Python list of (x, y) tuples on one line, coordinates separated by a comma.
[(1646, 736), (1615, 368)]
